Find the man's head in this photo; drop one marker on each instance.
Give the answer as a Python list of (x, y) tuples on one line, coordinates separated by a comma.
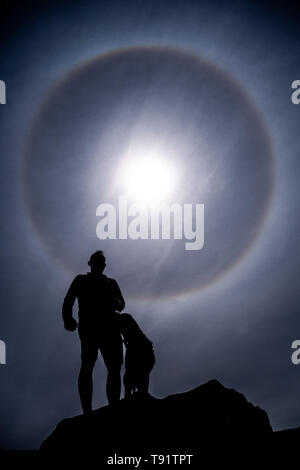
[(97, 262)]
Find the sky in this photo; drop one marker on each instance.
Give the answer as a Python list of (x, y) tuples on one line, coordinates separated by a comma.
[(204, 87)]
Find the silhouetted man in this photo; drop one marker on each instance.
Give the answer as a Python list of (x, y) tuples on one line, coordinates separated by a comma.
[(99, 297)]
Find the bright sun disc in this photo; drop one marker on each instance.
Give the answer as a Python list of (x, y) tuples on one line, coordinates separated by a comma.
[(148, 180)]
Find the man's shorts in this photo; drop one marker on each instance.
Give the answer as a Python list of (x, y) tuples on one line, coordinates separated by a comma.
[(110, 346)]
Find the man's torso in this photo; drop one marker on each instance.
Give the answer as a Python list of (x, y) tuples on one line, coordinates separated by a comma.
[(95, 294)]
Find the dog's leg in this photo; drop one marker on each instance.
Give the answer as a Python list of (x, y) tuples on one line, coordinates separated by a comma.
[(143, 383), (129, 387), (126, 385)]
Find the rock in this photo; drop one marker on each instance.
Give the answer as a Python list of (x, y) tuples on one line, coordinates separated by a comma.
[(206, 419)]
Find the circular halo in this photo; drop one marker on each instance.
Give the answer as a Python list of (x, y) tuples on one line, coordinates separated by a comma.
[(213, 117)]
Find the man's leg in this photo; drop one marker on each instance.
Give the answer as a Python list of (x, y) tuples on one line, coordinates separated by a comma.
[(89, 354), (112, 353), (127, 385), (85, 385), (113, 383)]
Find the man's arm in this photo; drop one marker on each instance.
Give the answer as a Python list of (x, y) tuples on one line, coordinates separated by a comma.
[(118, 300), (67, 309)]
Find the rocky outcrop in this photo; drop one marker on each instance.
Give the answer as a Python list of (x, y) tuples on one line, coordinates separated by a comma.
[(210, 419)]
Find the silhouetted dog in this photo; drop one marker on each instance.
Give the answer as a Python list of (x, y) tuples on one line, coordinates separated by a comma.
[(139, 358)]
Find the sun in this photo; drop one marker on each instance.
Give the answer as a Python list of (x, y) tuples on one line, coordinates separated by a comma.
[(149, 179)]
